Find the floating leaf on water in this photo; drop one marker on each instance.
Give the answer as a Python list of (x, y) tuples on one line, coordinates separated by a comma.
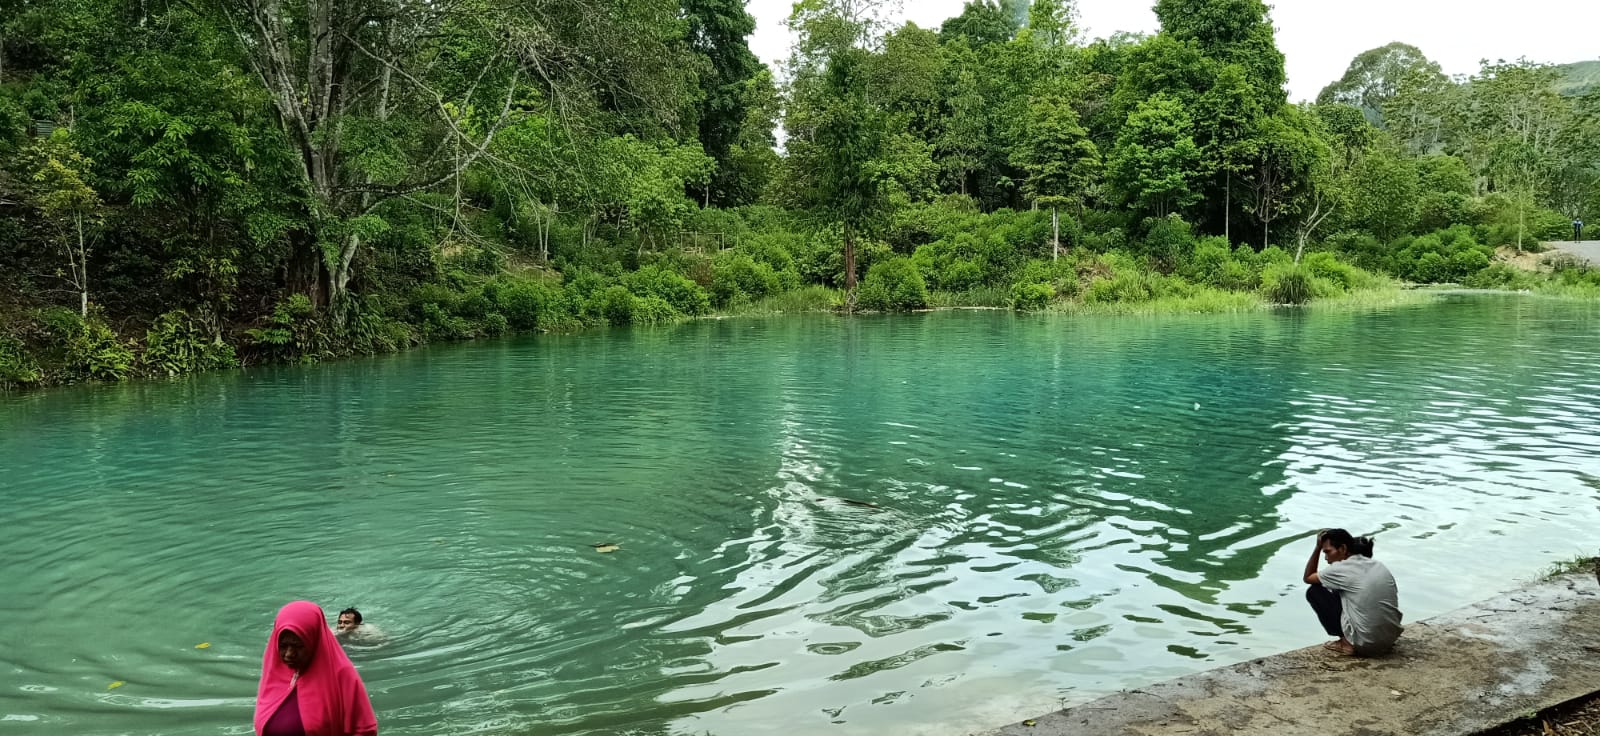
[(203, 645), (606, 547), (115, 685)]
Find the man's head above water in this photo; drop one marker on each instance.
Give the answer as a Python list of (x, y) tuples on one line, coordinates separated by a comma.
[(349, 620)]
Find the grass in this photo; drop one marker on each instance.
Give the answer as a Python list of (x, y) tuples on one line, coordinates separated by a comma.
[(798, 301), (1208, 301), (1579, 563), (983, 296), (1563, 290), (1200, 300), (1381, 297)]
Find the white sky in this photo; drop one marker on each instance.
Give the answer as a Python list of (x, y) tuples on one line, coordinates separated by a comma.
[(1320, 37)]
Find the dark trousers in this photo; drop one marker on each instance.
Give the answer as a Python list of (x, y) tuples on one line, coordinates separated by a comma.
[(1326, 603)]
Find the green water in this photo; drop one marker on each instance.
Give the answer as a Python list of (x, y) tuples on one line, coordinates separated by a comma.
[(1068, 506)]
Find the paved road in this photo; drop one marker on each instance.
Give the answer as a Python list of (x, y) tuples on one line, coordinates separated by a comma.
[(1588, 250)]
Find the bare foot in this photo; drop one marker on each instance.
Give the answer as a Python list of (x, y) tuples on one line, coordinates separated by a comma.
[(1340, 647)]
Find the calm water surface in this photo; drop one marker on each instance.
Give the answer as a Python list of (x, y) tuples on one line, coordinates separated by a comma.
[(1067, 506)]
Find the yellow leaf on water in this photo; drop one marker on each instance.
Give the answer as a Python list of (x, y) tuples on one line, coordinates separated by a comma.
[(116, 685), (203, 645), (606, 548)]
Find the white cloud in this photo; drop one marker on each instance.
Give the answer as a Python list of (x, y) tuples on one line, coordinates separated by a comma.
[(1320, 37)]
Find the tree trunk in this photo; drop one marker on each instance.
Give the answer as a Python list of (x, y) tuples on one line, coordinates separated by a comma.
[(849, 270), (1521, 218), (82, 270), (1227, 208), (305, 273), (1055, 233)]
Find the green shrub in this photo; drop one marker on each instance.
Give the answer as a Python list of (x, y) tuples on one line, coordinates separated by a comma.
[(737, 276), (292, 332), (447, 300), (1027, 297), (17, 367), (1287, 283), (526, 305), (95, 353), (1328, 267), (685, 296), (1500, 276), (615, 305), (893, 285), (177, 344), (653, 310), (1359, 248), (1449, 255), (961, 275), (1214, 264), (1168, 239), (437, 324), (495, 323), (1124, 286)]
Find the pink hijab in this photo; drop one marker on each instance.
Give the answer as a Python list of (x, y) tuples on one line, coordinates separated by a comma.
[(333, 702)]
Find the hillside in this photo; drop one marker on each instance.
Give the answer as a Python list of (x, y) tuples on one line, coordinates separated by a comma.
[(1581, 78)]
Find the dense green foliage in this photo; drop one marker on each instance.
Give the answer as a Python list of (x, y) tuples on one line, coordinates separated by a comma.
[(199, 185)]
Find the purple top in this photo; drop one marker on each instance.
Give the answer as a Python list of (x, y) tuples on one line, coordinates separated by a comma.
[(286, 721)]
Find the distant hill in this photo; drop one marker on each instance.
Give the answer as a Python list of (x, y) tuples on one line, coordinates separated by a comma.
[(1581, 78)]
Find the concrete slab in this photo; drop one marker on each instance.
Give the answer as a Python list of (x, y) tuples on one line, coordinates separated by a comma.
[(1587, 250), (1474, 668)]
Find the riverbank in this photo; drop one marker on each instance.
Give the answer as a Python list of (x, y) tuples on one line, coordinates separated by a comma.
[(1476, 668), (67, 350)]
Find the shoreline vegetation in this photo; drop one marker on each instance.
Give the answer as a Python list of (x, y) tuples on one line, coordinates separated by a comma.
[(193, 186), (152, 359)]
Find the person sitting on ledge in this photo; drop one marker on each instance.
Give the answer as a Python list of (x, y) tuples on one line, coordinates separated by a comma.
[(1355, 597)]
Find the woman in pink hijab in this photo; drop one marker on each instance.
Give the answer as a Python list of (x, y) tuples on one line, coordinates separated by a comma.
[(308, 686)]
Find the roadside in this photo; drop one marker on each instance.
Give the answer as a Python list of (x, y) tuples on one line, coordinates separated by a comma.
[(1475, 668), (1587, 250)]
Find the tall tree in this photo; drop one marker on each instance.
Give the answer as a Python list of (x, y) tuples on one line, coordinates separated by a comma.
[(1227, 116), (851, 142), (1232, 32), (718, 33), (1375, 77), (965, 130), (1517, 121), (1061, 161), (57, 186), (1054, 22), (1156, 162), (384, 99), (1284, 155), (980, 23)]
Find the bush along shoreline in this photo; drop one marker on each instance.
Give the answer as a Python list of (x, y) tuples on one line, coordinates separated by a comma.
[(996, 260), (184, 188)]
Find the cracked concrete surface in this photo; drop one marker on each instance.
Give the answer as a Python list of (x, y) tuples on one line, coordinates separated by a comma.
[(1465, 671)]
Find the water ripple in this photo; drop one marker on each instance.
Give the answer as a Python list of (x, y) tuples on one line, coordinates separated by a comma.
[(916, 524)]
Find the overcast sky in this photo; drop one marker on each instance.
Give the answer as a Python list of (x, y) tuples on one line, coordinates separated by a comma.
[(1320, 37)]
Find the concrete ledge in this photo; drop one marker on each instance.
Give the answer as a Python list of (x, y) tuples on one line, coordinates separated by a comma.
[(1465, 671)]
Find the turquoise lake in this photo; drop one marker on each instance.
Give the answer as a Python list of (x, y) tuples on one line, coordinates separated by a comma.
[(1064, 506)]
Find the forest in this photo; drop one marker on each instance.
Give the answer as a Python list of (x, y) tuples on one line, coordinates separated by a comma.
[(196, 184)]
